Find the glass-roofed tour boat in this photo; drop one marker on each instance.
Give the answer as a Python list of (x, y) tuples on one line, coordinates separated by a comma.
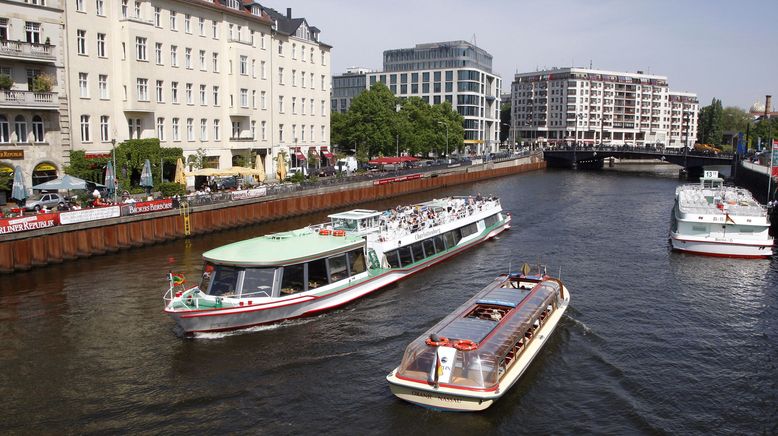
[(474, 355), (306, 271)]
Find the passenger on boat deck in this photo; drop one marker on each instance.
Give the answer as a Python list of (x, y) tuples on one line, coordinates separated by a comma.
[(478, 197)]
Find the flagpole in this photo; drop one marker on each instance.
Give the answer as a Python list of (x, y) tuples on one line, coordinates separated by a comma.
[(773, 149)]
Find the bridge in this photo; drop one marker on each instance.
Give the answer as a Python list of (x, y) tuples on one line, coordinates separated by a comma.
[(594, 156)]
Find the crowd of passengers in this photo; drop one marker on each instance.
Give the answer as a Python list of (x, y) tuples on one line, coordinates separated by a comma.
[(418, 218)]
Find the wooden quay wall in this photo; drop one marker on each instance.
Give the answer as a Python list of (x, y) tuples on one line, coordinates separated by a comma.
[(27, 250)]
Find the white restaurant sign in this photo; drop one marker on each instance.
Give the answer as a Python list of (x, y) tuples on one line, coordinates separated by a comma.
[(98, 213)]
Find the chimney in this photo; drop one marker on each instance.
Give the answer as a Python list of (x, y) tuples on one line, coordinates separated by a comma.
[(768, 105), (289, 13)]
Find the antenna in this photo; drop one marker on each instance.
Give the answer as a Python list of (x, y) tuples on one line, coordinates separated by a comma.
[(590, 64), (475, 42)]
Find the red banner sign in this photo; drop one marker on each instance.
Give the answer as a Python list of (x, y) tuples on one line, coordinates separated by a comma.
[(396, 179), (774, 159), (26, 223), (150, 206)]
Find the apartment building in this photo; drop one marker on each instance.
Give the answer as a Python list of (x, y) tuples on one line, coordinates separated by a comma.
[(586, 106), (31, 93), (226, 76), (454, 71)]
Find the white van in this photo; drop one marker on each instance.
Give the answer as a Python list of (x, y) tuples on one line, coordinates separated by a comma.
[(348, 164)]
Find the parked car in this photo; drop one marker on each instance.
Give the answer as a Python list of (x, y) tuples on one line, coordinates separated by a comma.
[(223, 183), (39, 201), (326, 171)]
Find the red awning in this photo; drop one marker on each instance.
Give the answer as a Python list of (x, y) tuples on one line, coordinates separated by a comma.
[(326, 152), (299, 155), (387, 160)]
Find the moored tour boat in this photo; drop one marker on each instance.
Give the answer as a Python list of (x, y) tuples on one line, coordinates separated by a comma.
[(474, 355), (310, 270), (717, 220)]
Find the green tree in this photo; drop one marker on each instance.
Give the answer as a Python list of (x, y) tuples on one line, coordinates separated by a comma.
[(710, 128), (196, 161), (505, 118), (765, 130), (338, 130), (735, 119), (371, 120)]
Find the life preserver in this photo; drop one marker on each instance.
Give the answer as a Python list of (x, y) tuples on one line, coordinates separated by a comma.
[(465, 345), (325, 232), (338, 233), (442, 342)]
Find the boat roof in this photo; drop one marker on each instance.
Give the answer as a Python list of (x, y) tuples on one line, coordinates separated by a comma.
[(286, 248), (356, 214)]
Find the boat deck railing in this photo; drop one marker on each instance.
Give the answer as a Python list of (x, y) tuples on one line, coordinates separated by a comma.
[(412, 219), (736, 201)]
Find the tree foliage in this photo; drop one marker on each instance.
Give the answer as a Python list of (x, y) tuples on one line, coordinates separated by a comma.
[(374, 126), (765, 130), (131, 155), (710, 128), (505, 121), (735, 119)]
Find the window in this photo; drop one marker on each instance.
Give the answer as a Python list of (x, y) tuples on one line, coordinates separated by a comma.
[(244, 66), (294, 51), (302, 79), (312, 109), (253, 98), (244, 97), (176, 133), (32, 32), (190, 129), (188, 23), (80, 5), (104, 136), (5, 133), (311, 54), (188, 58), (203, 95), (137, 9), (323, 58), (135, 127), (85, 128), (312, 137), (158, 52), (281, 48), (202, 60), (140, 48), (263, 99), (294, 105), (302, 106), (215, 62), (189, 97), (173, 21), (83, 85), (280, 133), (100, 7), (323, 108), (203, 129), (356, 262), (232, 32), (157, 16), (37, 128), (281, 104), (124, 8), (262, 70), (160, 93), (322, 134), (253, 69), (161, 129), (101, 45), (20, 128), (142, 86), (302, 133), (294, 77), (174, 55), (81, 41), (215, 95), (323, 83), (313, 85), (263, 126), (202, 26), (280, 75), (215, 30), (174, 92), (216, 130), (102, 86), (235, 129), (338, 268)]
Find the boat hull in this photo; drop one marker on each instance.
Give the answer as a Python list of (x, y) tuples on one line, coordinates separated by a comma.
[(234, 318), (718, 248), (457, 399)]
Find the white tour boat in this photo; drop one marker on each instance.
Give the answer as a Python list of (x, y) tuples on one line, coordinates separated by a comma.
[(474, 355), (306, 271), (717, 220)]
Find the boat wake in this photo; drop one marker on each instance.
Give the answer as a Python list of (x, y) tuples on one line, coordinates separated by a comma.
[(580, 324), (261, 328)]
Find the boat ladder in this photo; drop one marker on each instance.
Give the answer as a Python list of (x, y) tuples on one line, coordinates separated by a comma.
[(183, 210)]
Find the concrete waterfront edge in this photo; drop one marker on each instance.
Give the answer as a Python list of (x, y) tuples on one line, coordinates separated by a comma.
[(55, 245)]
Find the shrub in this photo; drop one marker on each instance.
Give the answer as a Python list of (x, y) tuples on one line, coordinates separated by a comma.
[(169, 189), (43, 83), (6, 82)]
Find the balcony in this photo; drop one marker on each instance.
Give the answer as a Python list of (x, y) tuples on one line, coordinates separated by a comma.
[(28, 100), (240, 139), (27, 51)]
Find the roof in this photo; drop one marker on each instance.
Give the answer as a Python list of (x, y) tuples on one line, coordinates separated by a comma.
[(356, 214), (279, 249)]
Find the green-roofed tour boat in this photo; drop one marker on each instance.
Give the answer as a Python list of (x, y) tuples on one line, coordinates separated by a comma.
[(310, 270)]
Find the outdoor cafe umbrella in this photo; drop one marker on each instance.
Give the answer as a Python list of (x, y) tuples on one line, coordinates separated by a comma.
[(146, 180), (180, 177), (110, 179), (281, 167), (261, 168), (18, 191), (66, 182)]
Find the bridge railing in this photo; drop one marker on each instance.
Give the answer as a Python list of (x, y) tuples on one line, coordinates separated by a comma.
[(649, 149)]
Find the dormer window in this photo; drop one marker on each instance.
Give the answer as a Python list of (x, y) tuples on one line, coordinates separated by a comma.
[(256, 10), (233, 4)]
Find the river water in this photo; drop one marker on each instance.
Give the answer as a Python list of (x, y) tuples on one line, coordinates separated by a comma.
[(654, 341)]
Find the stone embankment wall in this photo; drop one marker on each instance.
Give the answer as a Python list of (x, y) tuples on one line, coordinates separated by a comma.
[(23, 251)]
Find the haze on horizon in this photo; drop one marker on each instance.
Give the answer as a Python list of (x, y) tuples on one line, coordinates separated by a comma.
[(715, 48)]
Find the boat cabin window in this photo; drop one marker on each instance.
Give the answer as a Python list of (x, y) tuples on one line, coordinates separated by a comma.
[(440, 243), (317, 273), (344, 224), (356, 260), (405, 256), (429, 247), (293, 280), (393, 259), (491, 220), (418, 251), (469, 230), (220, 280), (338, 268), (452, 238), (257, 282)]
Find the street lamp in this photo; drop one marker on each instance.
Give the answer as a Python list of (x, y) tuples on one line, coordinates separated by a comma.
[(445, 124), (115, 171), (397, 108), (509, 134)]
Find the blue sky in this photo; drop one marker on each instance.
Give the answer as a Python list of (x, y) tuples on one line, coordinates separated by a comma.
[(722, 49)]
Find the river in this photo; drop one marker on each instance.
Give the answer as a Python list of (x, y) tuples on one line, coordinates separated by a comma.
[(653, 342)]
